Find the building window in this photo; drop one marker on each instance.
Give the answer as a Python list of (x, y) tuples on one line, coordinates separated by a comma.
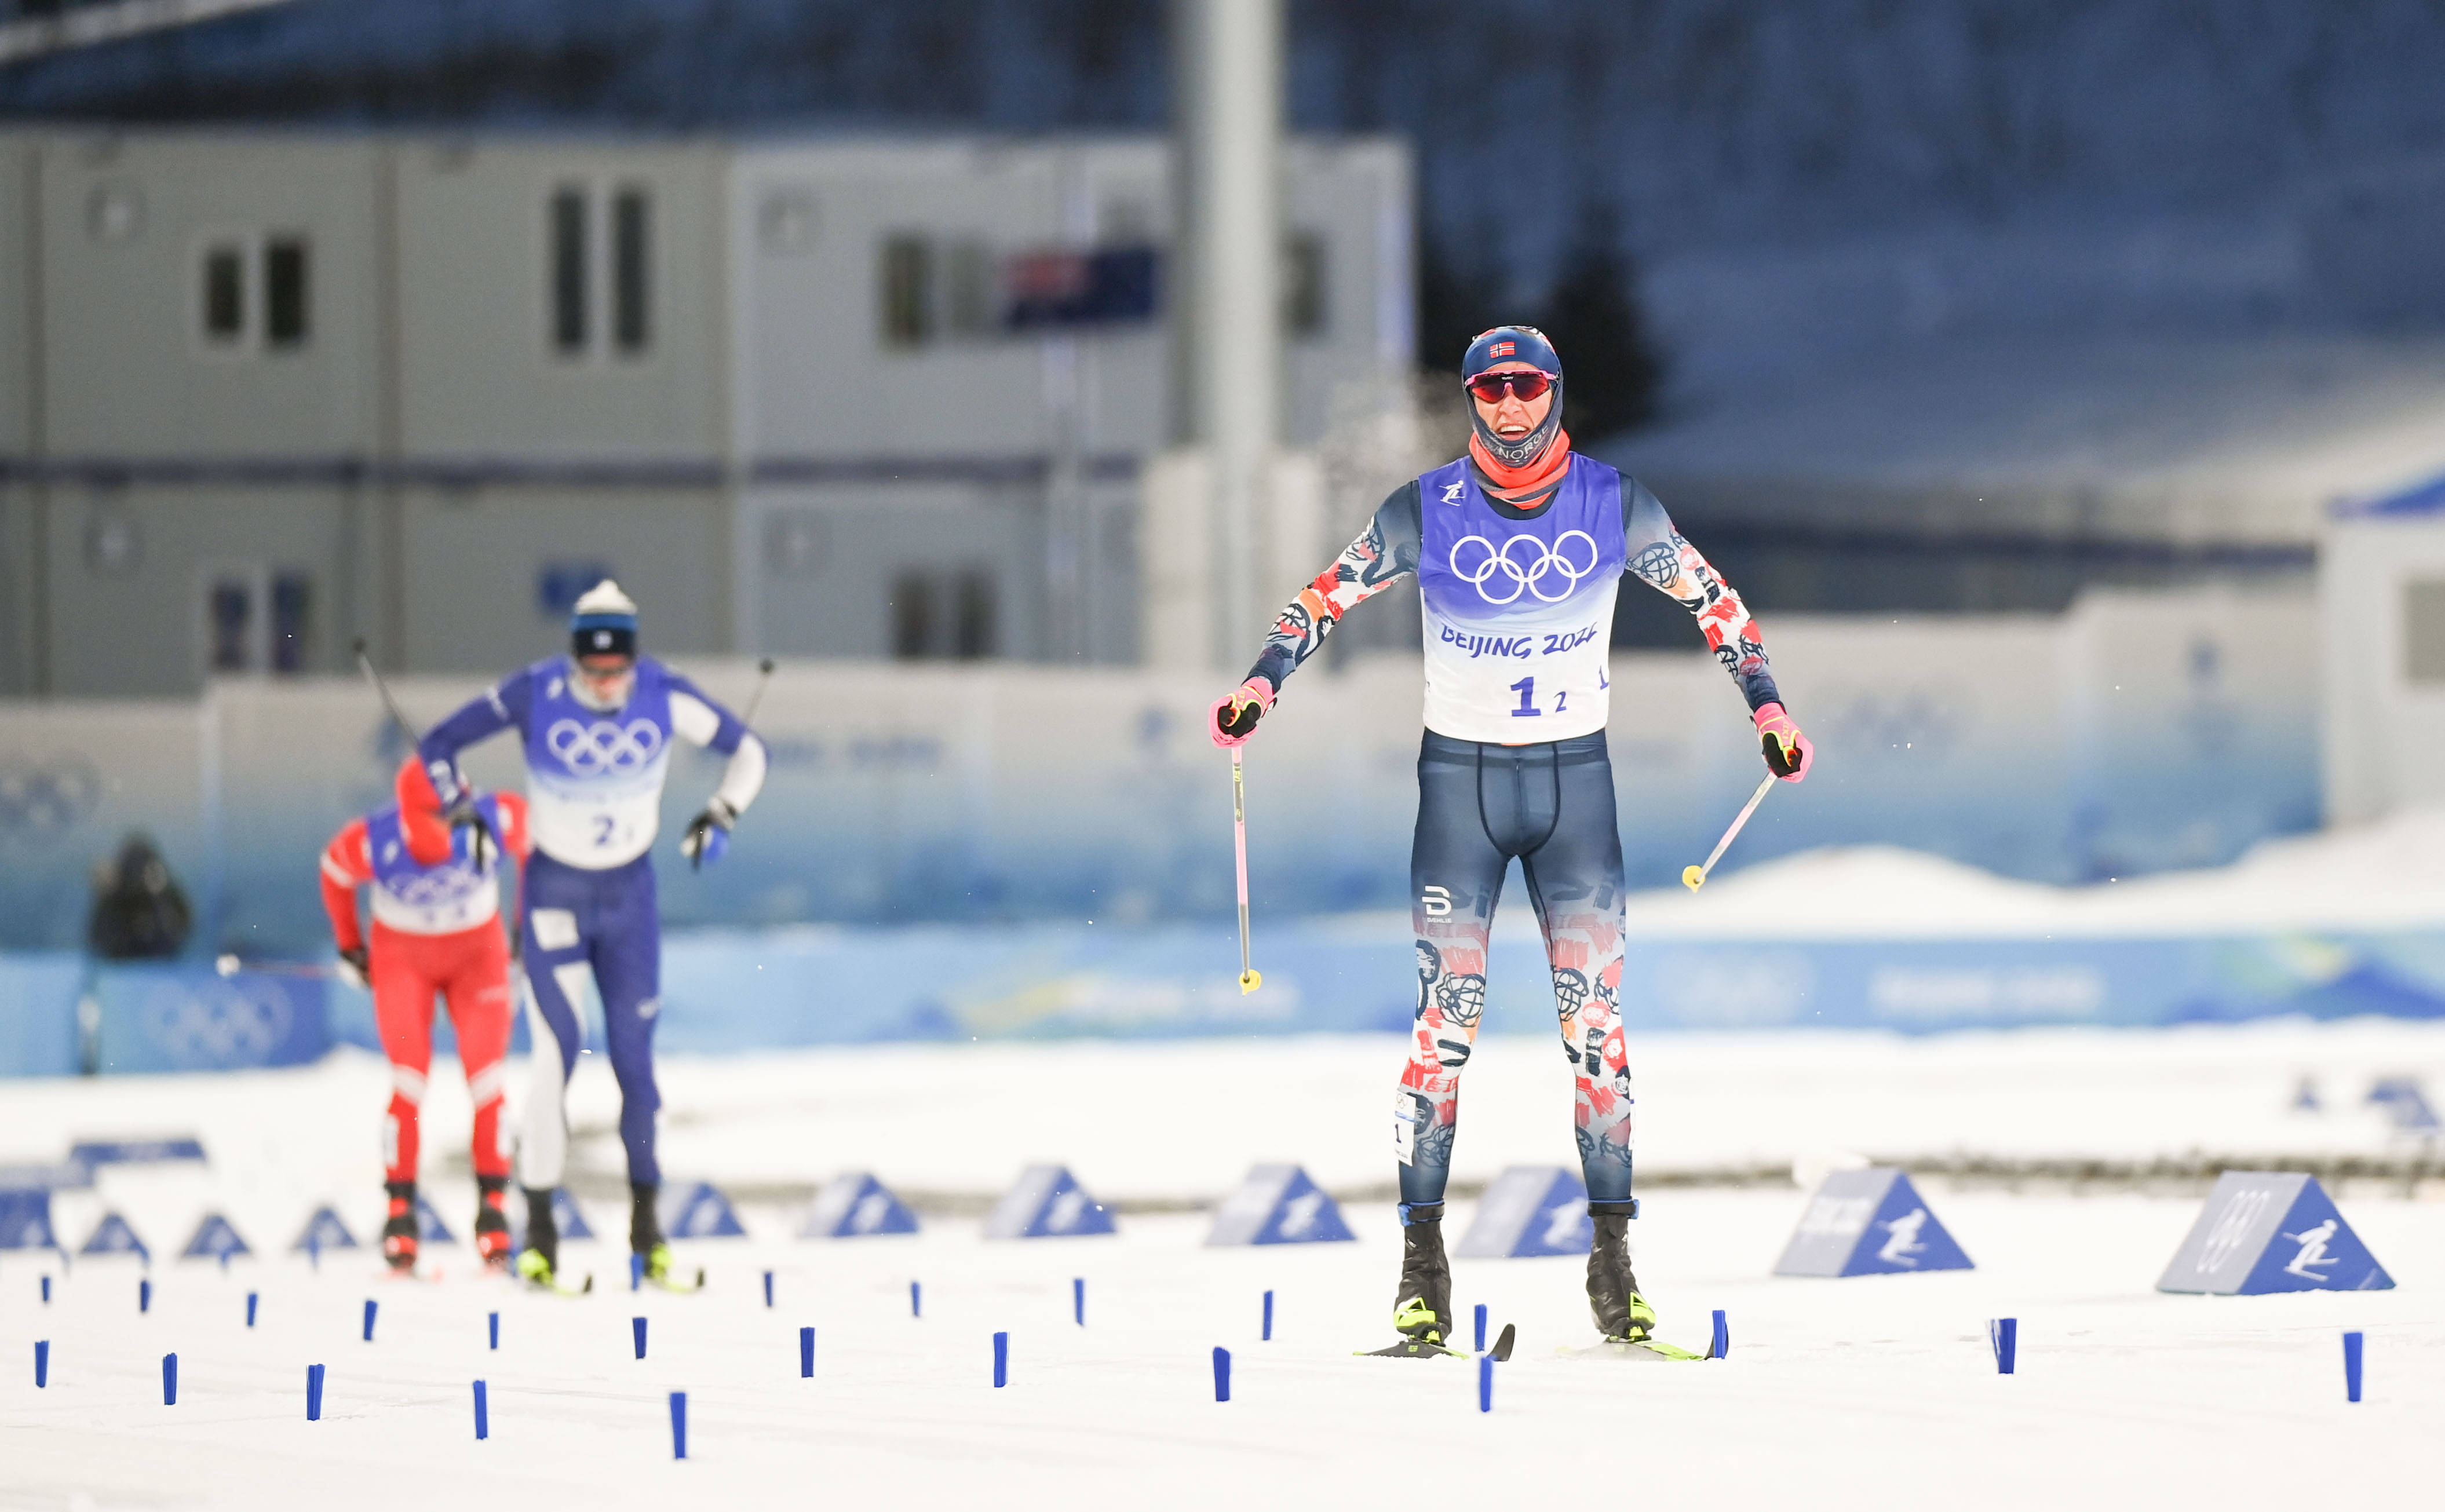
[(968, 290), (225, 294), (632, 229), (568, 271), (1303, 284), (937, 616), (907, 288), (257, 621), (285, 290)]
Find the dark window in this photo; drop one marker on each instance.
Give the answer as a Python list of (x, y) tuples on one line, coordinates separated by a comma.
[(231, 609), (224, 293), (1303, 284), (907, 278), (632, 229), (568, 312), (284, 291), (912, 616), (968, 289), (292, 606), (972, 635), (935, 616)]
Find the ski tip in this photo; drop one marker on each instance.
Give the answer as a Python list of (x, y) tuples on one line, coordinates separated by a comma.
[(590, 1284), (700, 1278), (1503, 1341)]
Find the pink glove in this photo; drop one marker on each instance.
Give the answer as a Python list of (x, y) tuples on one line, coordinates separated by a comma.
[(1788, 751), (1234, 716)]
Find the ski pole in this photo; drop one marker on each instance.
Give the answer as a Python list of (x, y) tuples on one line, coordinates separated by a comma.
[(1695, 877), (763, 680), (367, 664), (230, 965), (1249, 981)]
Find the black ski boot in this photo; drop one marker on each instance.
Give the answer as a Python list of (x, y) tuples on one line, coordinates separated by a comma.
[(398, 1235), (492, 1221), (539, 1261), (1422, 1308), (1622, 1315), (646, 1231)]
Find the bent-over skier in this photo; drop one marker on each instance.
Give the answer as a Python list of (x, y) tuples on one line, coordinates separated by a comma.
[(597, 727), (435, 930), (1518, 548)]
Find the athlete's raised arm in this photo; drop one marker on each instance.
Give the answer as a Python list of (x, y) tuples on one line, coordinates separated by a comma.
[(1665, 560), (1384, 553)]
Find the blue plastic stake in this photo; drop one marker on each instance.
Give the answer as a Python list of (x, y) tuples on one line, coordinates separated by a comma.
[(144, 1297), (916, 1298), (492, 1328), (2352, 1366), (1269, 1317), (1001, 1360), (637, 1326), (47, 1290), (170, 1379), (42, 1363), (636, 1271), (768, 1288), (370, 1305), (1078, 1299), (1721, 1345), (2004, 1332), (483, 1420), (314, 1252), (313, 1394), (249, 1309), (806, 1353), (1222, 1374), (678, 1425), (1486, 1383), (1481, 1327)]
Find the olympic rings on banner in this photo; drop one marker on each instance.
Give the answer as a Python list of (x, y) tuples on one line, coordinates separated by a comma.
[(1550, 561), (590, 750)]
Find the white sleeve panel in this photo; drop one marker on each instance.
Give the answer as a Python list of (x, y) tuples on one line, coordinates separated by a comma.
[(692, 718), (745, 777)]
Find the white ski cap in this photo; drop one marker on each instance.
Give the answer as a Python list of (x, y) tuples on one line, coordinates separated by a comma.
[(604, 598)]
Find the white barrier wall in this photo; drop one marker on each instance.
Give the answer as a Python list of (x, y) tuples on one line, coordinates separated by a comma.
[(2133, 734)]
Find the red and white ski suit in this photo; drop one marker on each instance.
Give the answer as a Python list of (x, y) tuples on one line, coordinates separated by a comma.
[(435, 930)]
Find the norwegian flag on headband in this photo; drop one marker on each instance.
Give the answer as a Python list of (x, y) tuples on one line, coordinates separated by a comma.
[(1503, 348)]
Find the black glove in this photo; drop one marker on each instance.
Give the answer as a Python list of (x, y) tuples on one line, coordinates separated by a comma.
[(465, 815), (708, 834), (356, 966)]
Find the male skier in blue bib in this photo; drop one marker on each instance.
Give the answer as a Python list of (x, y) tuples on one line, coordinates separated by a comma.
[(597, 726), (1518, 548)]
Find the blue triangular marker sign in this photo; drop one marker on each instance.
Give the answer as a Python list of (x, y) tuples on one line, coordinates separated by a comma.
[(215, 1239), (430, 1229), (855, 1205), (1869, 1222), (324, 1231), (25, 1219), (1530, 1210), (2271, 1231), (698, 1210), (1278, 1204), (1047, 1203), (113, 1235)]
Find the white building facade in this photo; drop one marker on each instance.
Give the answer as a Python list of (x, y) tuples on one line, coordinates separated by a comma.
[(261, 395)]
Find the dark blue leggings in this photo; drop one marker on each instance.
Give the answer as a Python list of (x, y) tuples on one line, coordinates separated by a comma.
[(605, 923), (1551, 806)]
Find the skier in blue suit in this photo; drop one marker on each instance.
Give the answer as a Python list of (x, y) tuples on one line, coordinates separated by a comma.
[(597, 727)]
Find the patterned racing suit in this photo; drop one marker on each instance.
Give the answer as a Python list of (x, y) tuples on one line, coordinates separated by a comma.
[(1517, 607)]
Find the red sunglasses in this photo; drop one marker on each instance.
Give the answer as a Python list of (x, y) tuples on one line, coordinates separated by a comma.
[(1526, 386)]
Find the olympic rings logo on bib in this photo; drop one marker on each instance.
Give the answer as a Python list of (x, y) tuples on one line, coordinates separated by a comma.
[(1530, 577), (601, 746)]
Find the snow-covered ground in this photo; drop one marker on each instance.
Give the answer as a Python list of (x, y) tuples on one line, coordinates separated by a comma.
[(1872, 1392), (1877, 1392)]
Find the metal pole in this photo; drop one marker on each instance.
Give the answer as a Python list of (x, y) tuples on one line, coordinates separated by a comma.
[(1227, 71)]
